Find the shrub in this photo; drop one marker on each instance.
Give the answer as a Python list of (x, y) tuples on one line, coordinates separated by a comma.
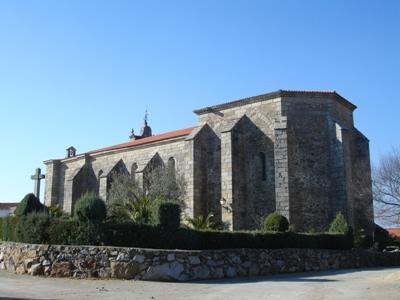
[(63, 232), (138, 209), (32, 228), (204, 223), (29, 204), (339, 224), (169, 215), (276, 223), (362, 239), (89, 233), (134, 235), (381, 238), (90, 208), (9, 228)]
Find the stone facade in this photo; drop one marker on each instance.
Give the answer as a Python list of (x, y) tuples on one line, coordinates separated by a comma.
[(294, 152), (179, 265)]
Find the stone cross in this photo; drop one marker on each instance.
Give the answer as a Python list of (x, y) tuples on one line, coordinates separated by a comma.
[(37, 177)]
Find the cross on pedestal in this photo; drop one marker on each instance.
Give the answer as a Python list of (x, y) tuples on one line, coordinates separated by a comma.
[(37, 177)]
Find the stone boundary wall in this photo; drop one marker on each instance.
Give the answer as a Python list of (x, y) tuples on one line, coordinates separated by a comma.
[(179, 265)]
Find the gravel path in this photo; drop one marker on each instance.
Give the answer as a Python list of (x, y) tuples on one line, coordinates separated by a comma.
[(345, 284)]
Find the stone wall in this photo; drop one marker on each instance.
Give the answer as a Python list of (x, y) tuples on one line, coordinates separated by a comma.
[(179, 265)]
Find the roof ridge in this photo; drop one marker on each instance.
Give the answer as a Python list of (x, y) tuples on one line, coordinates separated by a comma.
[(273, 95), (147, 140)]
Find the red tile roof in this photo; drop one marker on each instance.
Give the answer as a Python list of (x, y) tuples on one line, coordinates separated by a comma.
[(147, 140), (394, 231), (7, 205)]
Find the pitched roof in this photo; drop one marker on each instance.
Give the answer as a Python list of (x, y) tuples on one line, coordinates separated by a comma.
[(8, 205), (394, 231), (274, 95), (147, 140)]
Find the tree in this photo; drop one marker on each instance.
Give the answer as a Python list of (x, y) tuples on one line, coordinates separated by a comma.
[(386, 188), (339, 224), (28, 205)]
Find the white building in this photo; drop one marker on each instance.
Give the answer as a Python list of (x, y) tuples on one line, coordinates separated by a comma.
[(7, 209)]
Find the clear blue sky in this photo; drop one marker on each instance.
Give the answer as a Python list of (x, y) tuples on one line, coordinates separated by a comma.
[(82, 73)]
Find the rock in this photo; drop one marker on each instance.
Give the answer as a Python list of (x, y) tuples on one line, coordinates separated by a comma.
[(29, 262), (46, 263), (164, 272), (124, 270), (105, 273), (122, 257), (62, 269), (254, 270), (10, 265), (36, 269), (230, 272), (200, 272), (31, 254), (139, 258), (20, 269), (194, 260), (171, 256), (219, 273)]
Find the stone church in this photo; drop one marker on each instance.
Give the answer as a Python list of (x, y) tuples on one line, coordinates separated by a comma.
[(295, 152)]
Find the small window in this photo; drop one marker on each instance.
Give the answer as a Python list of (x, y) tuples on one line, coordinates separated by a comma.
[(133, 171), (171, 166), (263, 166)]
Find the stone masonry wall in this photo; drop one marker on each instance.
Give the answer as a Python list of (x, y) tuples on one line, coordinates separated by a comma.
[(179, 265)]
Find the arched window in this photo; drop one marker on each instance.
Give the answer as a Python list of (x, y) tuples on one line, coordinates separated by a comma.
[(98, 182), (171, 166), (263, 166), (133, 171)]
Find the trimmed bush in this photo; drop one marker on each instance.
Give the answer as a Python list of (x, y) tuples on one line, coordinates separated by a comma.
[(63, 232), (89, 233), (146, 236), (169, 215), (29, 204), (32, 228), (339, 224), (276, 223), (90, 208), (9, 228)]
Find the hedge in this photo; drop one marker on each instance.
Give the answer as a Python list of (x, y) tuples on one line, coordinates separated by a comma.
[(71, 232), (9, 225), (132, 235)]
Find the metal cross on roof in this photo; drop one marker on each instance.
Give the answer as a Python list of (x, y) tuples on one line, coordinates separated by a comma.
[(37, 177)]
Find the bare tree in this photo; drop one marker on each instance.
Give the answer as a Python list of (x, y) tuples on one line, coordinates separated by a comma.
[(386, 188)]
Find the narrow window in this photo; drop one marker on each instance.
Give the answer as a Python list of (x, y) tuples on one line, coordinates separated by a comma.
[(263, 167), (133, 171), (171, 166)]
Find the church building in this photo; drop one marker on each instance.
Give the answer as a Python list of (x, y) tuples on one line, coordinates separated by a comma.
[(295, 152)]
